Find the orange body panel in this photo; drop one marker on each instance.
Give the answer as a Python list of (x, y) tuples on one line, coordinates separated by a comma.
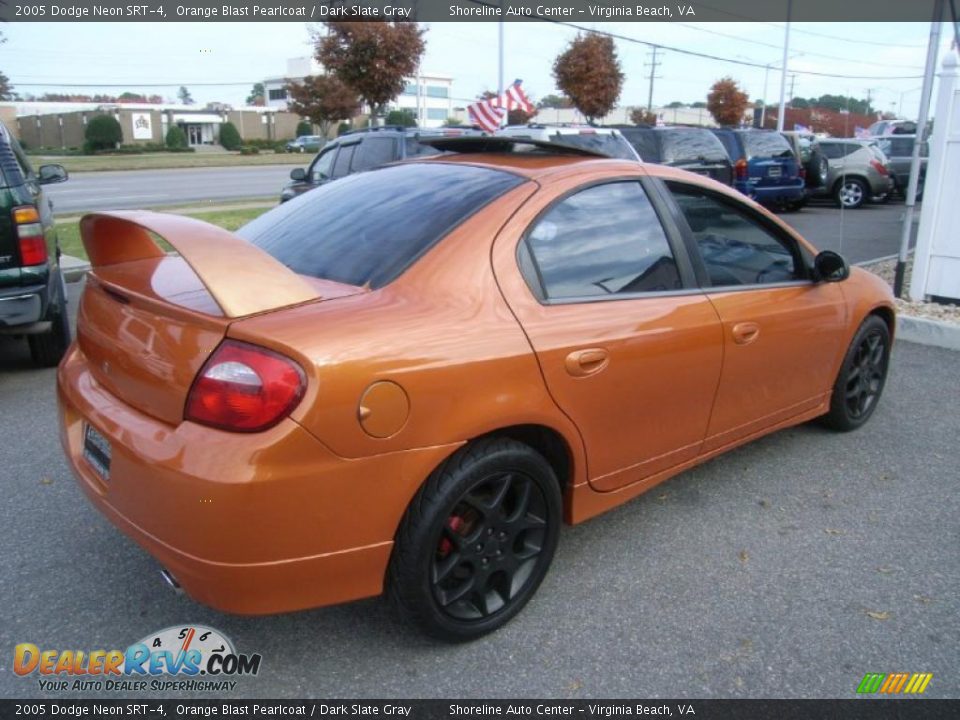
[(398, 378)]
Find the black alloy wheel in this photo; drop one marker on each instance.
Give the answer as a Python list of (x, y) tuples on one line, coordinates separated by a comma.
[(862, 377), (477, 541)]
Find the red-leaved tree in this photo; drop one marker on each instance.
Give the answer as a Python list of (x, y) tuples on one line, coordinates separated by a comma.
[(726, 102), (588, 72), (323, 99)]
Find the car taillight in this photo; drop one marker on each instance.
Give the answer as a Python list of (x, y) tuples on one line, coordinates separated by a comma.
[(880, 167), (740, 168), (803, 173), (244, 388), (33, 245)]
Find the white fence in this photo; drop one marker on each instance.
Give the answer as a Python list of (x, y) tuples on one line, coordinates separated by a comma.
[(936, 267)]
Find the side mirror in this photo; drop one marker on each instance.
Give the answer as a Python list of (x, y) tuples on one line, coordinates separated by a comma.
[(298, 174), (48, 174), (829, 266)]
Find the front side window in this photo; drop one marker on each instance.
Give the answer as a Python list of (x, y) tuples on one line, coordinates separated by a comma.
[(342, 166), (600, 242), (736, 248), (322, 168)]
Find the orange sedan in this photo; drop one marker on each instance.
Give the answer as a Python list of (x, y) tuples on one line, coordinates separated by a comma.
[(407, 380)]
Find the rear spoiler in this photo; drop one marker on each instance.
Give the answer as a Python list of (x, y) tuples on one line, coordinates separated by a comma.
[(242, 278)]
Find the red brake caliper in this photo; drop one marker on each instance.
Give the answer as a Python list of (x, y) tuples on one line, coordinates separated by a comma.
[(454, 523)]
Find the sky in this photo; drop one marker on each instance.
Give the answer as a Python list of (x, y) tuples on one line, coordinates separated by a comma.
[(229, 57)]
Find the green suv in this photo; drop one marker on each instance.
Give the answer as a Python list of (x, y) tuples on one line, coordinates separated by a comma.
[(33, 296)]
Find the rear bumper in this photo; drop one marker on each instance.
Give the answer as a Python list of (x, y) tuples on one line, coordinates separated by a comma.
[(246, 523), (779, 193)]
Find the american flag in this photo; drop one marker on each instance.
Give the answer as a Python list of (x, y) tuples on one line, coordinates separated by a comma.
[(859, 132), (797, 127), (489, 114)]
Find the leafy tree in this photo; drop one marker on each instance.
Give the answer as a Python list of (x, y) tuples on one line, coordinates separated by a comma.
[(726, 102), (257, 96), (642, 116), (588, 72), (6, 89), (452, 122), (304, 128), (555, 101), (675, 104), (698, 104), (519, 117), (230, 137), (799, 102), (184, 95), (403, 118), (103, 133), (373, 58), (323, 99), (176, 138)]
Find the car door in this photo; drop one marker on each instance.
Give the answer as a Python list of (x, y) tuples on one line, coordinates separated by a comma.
[(629, 348), (782, 332)]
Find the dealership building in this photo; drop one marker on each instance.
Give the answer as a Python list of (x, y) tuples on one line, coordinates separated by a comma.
[(63, 124)]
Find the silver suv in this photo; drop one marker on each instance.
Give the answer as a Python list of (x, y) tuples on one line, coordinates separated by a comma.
[(858, 171), (608, 141)]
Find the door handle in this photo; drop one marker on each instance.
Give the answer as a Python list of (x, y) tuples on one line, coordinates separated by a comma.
[(581, 363), (745, 333)]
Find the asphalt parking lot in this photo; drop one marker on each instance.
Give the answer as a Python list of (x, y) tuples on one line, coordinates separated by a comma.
[(788, 568)]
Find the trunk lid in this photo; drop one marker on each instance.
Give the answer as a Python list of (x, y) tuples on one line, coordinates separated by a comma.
[(148, 321)]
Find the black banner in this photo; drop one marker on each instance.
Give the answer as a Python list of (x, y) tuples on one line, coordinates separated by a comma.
[(854, 709), (570, 11)]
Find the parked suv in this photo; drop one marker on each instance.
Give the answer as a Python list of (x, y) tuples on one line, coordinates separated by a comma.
[(764, 167), (364, 150), (899, 152), (608, 141), (305, 143), (695, 149), (858, 172), (33, 296)]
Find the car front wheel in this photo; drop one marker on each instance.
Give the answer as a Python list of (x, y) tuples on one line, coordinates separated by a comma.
[(863, 374), (476, 541)]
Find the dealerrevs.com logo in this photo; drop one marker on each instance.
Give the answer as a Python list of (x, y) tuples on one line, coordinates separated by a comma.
[(176, 658)]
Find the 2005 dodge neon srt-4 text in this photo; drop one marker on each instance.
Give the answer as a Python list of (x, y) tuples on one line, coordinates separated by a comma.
[(408, 379)]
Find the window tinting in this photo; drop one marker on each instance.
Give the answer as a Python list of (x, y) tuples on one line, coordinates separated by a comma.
[(691, 145), (760, 144), (375, 151), (369, 227), (736, 249), (645, 142), (342, 165), (322, 168), (602, 241), (415, 148), (731, 145)]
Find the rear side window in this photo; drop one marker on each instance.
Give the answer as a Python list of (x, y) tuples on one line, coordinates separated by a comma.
[(375, 151), (369, 227), (645, 142), (601, 242), (766, 145), (691, 145)]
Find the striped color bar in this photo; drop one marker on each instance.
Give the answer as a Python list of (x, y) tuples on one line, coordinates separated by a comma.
[(894, 683)]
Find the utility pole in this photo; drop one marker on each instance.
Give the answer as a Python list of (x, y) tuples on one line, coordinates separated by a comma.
[(793, 81), (869, 107), (783, 69), (653, 69)]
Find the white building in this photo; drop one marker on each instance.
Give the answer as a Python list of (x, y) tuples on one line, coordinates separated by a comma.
[(426, 96)]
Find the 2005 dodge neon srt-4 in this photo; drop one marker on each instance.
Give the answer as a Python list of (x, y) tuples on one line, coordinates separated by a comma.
[(406, 380)]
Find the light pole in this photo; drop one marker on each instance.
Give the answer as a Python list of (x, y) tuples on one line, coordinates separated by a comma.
[(783, 70)]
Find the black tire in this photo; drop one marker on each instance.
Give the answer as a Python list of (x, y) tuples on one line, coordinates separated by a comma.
[(850, 193), (48, 349), (859, 385), (817, 169), (476, 541)]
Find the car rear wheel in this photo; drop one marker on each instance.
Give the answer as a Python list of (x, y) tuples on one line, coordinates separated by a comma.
[(47, 350), (476, 541), (850, 193), (863, 374)]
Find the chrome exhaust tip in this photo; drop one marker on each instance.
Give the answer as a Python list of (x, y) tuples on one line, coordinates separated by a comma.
[(170, 580)]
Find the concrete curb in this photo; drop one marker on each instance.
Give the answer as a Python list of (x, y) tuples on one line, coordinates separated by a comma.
[(73, 268), (928, 332)]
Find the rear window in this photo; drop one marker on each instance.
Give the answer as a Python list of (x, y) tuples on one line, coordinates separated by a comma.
[(687, 145), (766, 145), (608, 144), (367, 228)]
